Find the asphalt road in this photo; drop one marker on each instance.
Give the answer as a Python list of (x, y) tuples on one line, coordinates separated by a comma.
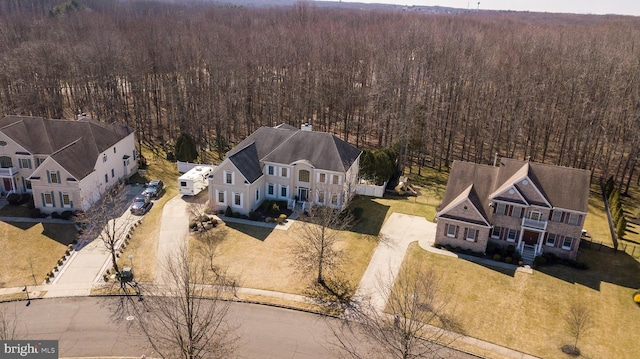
[(86, 327)]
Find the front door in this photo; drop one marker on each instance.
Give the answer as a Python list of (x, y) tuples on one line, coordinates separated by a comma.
[(6, 182), (530, 237), (303, 194)]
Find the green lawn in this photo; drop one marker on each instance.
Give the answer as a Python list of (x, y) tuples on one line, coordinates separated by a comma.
[(525, 311)]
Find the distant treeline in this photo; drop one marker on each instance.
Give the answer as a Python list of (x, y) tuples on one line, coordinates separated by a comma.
[(562, 89)]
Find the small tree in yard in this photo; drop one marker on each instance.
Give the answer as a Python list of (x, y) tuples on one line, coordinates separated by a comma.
[(421, 322), (579, 321), (316, 250), (207, 247), (104, 220)]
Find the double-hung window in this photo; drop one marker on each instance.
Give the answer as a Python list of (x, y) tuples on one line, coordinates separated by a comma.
[(66, 200), (451, 230), (551, 240), (567, 243), (471, 234), (48, 199)]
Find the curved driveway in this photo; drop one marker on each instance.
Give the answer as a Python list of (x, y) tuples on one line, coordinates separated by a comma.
[(398, 231)]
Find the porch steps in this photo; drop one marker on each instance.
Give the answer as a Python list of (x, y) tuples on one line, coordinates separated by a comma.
[(528, 255)]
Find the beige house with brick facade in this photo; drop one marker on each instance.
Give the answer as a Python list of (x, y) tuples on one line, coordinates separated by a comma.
[(299, 166), (532, 206)]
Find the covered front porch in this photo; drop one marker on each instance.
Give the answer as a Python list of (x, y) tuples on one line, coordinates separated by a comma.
[(530, 244), (8, 181)]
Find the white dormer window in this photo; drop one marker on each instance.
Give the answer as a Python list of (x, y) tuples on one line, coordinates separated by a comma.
[(53, 176), (228, 177)]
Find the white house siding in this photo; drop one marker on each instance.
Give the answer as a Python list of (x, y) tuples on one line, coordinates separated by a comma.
[(351, 179), (54, 181), (86, 191), (16, 174), (217, 185)]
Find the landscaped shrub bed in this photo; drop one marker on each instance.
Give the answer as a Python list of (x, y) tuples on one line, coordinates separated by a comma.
[(269, 209), (550, 259)]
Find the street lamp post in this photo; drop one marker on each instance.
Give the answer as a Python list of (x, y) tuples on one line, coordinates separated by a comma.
[(28, 299), (131, 261)]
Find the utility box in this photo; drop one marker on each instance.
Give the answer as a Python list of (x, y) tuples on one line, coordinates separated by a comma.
[(126, 275)]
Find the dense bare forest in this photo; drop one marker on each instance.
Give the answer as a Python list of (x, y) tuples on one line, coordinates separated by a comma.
[(561, 89)]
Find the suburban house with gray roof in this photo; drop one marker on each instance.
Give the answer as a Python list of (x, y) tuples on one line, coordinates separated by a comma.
[(65, 164), (302, 167), (532, 206)]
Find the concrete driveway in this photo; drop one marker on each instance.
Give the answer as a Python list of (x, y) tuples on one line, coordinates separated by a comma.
[(174, 229), (398, 231), (87, 263)]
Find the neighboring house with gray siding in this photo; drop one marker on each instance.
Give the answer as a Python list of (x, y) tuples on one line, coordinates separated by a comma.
[(302, 167), (65, 164), (532, 206)]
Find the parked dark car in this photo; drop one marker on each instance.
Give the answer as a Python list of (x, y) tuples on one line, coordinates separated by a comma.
[(140, 205), (154, 189)]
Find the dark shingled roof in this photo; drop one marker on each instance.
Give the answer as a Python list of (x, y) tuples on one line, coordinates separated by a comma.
[(75, 145), (246, 161), (563, 187), (285, 144)]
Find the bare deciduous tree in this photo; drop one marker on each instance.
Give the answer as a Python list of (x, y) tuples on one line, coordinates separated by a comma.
[(579, 321), (105, 221), (207, 247), (316, 250), (8, 324), (417, 323), (185, 318)]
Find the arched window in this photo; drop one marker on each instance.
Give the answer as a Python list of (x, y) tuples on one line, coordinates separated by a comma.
[(5, 162), (303, 176)]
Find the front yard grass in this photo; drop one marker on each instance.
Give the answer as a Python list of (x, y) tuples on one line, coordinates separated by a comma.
[(525, 311), (31, 250), (262, 258)]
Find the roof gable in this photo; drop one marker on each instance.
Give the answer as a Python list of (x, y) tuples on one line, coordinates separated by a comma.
[(466, 207), (550, 185), (246, 161), (75, 144)]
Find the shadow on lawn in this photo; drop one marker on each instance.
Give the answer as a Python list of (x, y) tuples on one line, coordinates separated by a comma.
[(259, 233), (61, 233), (617, 268), (373, 215)]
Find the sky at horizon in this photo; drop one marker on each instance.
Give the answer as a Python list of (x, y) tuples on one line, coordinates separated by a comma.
[(620, 7)]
